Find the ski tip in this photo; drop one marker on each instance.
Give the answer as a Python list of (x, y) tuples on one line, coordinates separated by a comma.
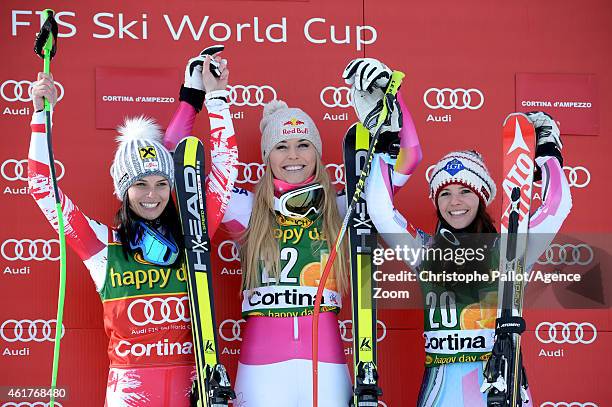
[(515, 115)]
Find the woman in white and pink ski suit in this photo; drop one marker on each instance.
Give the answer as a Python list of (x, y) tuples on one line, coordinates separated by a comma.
[(146, 312), (461, 189)]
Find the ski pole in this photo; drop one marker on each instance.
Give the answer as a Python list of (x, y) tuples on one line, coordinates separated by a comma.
[(46, 47), (390, 92)]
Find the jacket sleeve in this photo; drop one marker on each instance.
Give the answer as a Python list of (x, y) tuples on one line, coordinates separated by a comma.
[(88, 238)]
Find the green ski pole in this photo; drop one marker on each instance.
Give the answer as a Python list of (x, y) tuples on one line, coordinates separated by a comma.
[(46, 47)]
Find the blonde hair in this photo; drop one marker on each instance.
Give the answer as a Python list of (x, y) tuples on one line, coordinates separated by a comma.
[(259, 245)]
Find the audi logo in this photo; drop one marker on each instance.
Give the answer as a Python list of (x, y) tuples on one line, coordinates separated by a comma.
[(346, 331), (577, 177), (251, 173), (250, 95), (15, 170), (21, 91), (336, 97), (336, 173), (31, 404), (567, 404), (26, 330), (566, 332), (228, 251), (568, 254), (158, 311), (447, 98), (235, 330), (27, 249)]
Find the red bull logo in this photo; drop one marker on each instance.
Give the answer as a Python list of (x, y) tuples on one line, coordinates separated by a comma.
[(296, 126), (294, 122)]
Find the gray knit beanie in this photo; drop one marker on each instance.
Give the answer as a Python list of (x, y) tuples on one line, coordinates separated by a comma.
[(280, 123), (140, 153)]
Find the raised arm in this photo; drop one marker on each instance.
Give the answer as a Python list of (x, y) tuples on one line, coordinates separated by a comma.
[(555, 192), (88, 238), (386, 178), (223, 147)]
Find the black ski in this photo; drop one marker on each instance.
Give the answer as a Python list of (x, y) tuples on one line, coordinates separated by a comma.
[(212, 387), (362, 240)]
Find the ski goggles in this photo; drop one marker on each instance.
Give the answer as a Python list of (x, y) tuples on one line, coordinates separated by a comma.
[(301, 202), (155, 247)]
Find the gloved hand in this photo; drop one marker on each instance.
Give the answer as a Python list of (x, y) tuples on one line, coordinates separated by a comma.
[(369, 79), (192, 90), (548, 138)]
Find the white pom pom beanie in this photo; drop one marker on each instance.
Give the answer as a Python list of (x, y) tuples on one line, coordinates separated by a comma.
[(280, 123), (140, 153)]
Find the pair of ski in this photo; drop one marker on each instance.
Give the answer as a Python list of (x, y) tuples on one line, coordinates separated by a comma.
[(505, 379), (212, 387)]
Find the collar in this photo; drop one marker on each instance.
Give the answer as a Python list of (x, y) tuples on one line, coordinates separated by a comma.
[(280, 187)]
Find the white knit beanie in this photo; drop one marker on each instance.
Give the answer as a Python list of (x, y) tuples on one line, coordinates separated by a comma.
[(465, 168), (280, 123), (140, 153)]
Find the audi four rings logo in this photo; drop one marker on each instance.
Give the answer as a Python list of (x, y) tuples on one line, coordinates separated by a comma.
[(27, 249), (346, 330), (26, 330), (577, 177), (158, 311), (447, 98), (568, 254), (234, 326), (566, 332), (31, 404), (567, 404), (21, 91), (251, 95), (228, 251), (251, 173), (336, 172), (336, 97), (16, 170)]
